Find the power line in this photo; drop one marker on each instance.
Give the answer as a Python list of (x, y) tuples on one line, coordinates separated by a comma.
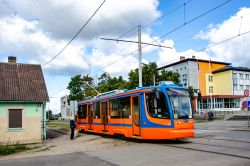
[(215, 44), (130, 41), (164, 15), (151, 22), (175, 29), (235, 19), (75, 34), (100, 69), (190, 21)]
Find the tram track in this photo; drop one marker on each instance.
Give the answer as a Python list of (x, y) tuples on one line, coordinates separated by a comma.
[(219, 146), (208, 151), (231, 140)]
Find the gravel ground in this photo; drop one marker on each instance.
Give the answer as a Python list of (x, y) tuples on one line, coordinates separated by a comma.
[(63, 145)]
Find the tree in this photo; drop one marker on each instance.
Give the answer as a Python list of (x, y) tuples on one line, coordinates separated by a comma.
[(107, 83), (49, 114), (191, 93), (81, 87), (169, 76), (149, 75)]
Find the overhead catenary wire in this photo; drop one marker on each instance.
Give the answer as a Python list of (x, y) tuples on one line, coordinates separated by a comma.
[(146, 25), (190, 21), (75, 34), (164, 15), (128, 33), (227, 22), (214, 44), (173, 30)]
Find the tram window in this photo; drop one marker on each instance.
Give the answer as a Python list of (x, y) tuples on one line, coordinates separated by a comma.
[(120, 108), (114, 108), (82, 111), (97, 110), (125, 107), (157, 105)]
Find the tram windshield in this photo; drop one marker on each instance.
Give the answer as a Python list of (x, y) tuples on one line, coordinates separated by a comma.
[(180, 102)]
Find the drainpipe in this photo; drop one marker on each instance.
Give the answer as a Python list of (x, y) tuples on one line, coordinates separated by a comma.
[(44, 123)]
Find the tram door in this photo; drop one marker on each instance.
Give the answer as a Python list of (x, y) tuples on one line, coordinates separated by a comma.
[(104, 116), (136, 116), (90, 116)]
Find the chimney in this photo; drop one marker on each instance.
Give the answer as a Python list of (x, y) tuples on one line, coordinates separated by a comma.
[(182, 58), (193, 57), (12, 59)]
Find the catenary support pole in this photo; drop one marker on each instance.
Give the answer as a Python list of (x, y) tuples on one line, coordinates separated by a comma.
[(140, 55)]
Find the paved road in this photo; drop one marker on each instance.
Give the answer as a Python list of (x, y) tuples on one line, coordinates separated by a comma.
[(78, 159), (218, 143)]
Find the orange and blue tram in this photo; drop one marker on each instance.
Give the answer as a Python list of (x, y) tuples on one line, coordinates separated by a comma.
[(153, 113)]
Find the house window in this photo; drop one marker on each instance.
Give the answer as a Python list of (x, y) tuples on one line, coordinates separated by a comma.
[(241, 87), (211, 89), (210, 78), (235, 87), (247, 76), (241, 76), (184, 79), (248, 87), (15, 118), (234, 75)]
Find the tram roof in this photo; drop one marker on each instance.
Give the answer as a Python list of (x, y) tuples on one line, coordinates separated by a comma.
[(124, 92)]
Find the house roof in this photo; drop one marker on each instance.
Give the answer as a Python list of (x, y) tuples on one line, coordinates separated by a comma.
[(22, 82), (194, 60), (232, 68)]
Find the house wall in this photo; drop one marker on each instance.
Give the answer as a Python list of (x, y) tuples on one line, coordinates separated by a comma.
[(223, 83), (31, 130), (205, 69), (241, 81), (188, 71)]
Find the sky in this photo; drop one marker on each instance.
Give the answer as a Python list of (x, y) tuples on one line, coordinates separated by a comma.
[(35, 31)]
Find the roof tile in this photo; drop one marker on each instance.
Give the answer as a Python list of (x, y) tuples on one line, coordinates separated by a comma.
[(22, 82)]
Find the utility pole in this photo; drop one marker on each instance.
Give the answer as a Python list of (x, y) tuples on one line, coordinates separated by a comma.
[(139, 55), (139, 50)]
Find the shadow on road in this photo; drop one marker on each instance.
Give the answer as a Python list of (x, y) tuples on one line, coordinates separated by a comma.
[(51, 134)]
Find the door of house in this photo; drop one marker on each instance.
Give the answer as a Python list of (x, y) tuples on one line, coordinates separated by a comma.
[(136, 116), (90, 116), (105, 116)]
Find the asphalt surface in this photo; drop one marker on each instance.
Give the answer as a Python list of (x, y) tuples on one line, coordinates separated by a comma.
[(56, 160), (218, 143)]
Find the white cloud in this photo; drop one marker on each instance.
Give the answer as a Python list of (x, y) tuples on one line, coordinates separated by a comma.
[(62, 18), (237, 50), (167, 56), (35, 31), (55, 101), (23, 39)]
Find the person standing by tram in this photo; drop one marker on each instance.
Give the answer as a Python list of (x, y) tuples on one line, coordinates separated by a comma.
[(72, 127)]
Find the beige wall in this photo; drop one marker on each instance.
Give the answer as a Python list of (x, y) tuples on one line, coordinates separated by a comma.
[(31, 130), (223, 83)]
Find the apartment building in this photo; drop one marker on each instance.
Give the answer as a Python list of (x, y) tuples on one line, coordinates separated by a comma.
[(68, 108), (221, 85)]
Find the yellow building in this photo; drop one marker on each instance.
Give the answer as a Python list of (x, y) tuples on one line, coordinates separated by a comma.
[(221, 85), (206, 80)]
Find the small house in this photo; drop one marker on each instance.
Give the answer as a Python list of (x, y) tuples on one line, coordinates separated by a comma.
[(23, 97)]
